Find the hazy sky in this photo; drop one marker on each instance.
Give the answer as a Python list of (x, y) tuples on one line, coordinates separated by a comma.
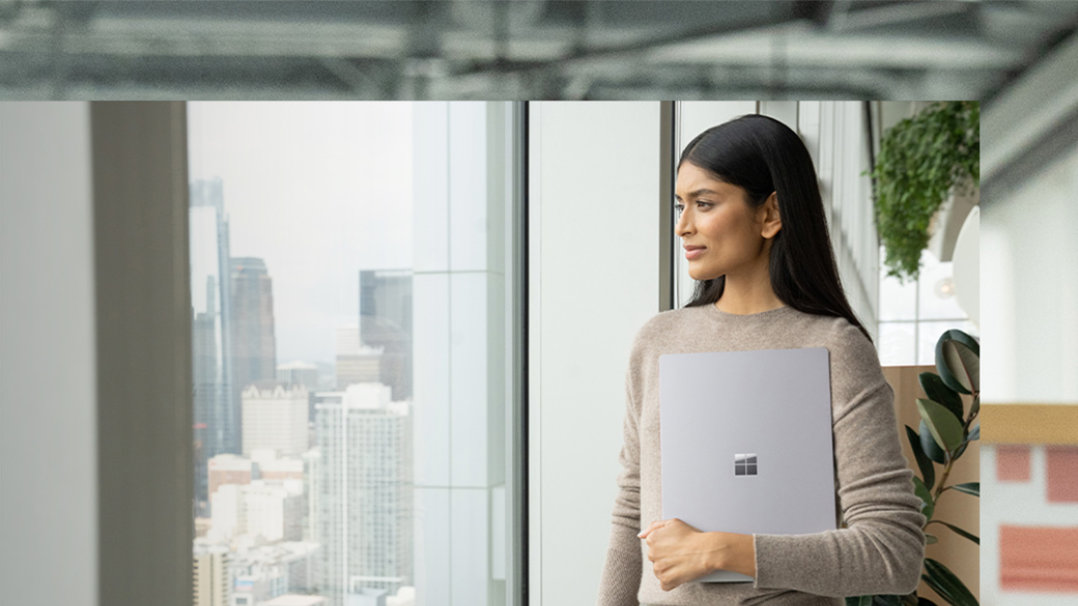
[(319, 190)]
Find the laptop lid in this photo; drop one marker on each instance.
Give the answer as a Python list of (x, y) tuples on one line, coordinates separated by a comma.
[(746, 442)]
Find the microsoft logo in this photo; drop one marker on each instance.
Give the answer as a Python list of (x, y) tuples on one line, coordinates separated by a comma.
[(745, 464)]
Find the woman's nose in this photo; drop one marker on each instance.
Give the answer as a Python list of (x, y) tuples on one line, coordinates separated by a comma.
[(684, 224)]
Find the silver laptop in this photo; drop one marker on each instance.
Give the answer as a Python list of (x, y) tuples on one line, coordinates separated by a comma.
[(746, 442)]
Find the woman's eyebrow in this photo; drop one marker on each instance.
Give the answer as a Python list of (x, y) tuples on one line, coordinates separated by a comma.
[(698, 193)]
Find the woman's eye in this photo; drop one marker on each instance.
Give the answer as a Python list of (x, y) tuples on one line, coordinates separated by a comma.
[(700, 204)]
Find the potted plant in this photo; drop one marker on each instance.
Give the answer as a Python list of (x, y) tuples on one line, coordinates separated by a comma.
[(922, 160), (946, 429)]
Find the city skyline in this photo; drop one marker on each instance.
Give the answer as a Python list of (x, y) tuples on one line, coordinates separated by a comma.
[(340, 186)]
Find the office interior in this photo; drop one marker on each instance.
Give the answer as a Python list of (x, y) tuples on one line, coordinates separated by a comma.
[(97, 295)]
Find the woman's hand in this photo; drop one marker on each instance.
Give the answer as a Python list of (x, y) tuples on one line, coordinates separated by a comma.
[(681, 553)]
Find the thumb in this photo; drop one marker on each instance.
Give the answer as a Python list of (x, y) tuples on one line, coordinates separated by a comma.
[(654, 526)]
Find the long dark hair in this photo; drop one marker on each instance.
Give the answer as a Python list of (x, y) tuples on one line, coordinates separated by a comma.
[(762, 155)]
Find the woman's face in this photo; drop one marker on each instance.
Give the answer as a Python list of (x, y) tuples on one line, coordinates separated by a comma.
[(720, 232)]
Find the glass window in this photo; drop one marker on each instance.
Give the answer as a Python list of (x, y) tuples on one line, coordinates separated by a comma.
[(897, 345), (936, 297), (349, 306), (929, 334), (898, 301), (913, 315)]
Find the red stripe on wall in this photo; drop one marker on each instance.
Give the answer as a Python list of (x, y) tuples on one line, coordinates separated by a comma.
[(1038, 558)]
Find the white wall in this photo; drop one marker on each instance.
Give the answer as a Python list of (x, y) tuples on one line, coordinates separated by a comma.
[(1030, 289), (48, 425), (594, 280)]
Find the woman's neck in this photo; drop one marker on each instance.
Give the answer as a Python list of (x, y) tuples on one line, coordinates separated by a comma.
[(740, 296)]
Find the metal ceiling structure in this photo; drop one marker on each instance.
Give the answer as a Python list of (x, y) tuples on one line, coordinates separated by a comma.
[(543, 49)]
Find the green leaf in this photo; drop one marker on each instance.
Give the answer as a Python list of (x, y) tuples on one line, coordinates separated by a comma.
[(887, 600), (929, 445), (975, 407), (930, 539), (958, 361), (939, 590), (864, 600), (927, 505), (961, 449), (937, 391), (928, 471), (944, 582), (973, 488), (945, 428), (925, 602), (961, 532)]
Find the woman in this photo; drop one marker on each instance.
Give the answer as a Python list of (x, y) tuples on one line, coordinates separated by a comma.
[(752, 225)]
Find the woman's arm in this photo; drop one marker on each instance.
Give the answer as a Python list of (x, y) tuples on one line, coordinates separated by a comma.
[(882, 549), (620, 580)]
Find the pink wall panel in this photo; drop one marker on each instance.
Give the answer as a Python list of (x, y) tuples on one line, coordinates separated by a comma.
[(1012, 463), (1038, 558), (1062, 474)]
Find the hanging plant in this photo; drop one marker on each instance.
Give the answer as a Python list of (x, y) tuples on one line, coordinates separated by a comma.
[(921, 160)]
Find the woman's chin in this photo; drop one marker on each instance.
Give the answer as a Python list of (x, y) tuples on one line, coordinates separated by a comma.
[(698, 275)]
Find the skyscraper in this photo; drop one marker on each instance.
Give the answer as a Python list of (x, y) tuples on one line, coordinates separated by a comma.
[(365, 493), (217, 413), (356, 363), (212, 585), (275, 419), (254, 348), (385, 321), (298, 373)]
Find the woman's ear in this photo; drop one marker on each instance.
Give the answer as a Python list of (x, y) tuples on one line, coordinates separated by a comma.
[(772, 221)]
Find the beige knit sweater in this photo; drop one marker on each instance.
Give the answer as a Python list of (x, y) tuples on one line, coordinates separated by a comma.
[(882, 547)]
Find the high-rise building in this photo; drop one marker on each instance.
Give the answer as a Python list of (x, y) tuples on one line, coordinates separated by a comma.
[(356, 363), (269, 466), (303, 374), (254, 348), (265, 510), (235, 491), (229, 512), (385, 321), (211, 578), (312, 472), (292, 599), (208, 393), (275, 419), (274, 509), (265, 574), (216, 408), (229, 469), (364, 492)]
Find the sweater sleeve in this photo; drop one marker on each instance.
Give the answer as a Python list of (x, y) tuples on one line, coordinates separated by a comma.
[(620, 579), (881, 549)]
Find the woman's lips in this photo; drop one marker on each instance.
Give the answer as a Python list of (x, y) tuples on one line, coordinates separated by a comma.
[(694, 252)]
